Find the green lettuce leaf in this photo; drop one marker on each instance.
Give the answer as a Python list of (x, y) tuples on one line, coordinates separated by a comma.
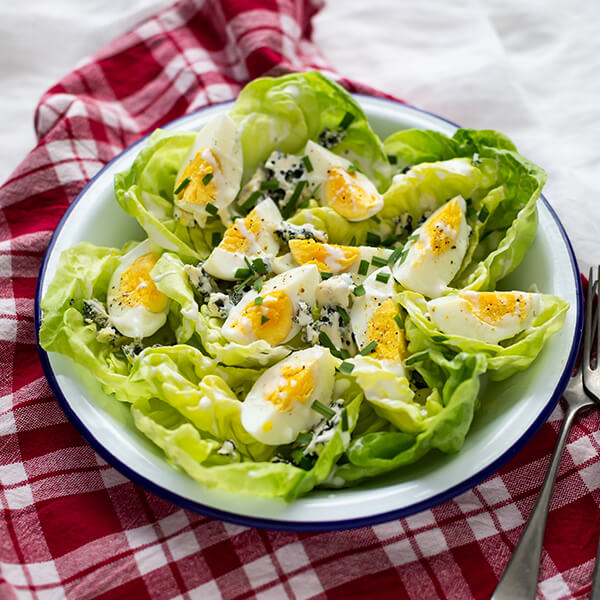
[(194, 450), (283, 113), (503, 360), (378, 452), (145, 191), (501, 186), (83, 272)]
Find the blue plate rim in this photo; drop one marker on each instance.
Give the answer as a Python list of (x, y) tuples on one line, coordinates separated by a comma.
[(302, 526)]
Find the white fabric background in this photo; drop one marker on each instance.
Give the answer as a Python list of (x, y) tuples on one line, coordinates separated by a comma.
[(530, 69)]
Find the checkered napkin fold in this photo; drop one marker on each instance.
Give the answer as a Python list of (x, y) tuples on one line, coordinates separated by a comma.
[(71, 526)]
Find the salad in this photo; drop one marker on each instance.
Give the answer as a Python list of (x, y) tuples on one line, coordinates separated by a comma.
[(312, 306)]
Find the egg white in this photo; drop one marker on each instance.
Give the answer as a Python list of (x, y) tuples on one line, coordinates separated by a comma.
[(279, 424), (323, 161), (455, 315), (219, 145), (298, 284), (133, 321), (333, 257), (223, 263), (426, 270), (365, 307)]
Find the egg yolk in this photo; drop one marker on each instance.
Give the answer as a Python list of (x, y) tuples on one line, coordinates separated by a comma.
[(200, 172), (345, 194), (136, 288), (442, 229), (383, 329), (297, 386), (492, 307), (327, 257), (271, 320), (240, 233)]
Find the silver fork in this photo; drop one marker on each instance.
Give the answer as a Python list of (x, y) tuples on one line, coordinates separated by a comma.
[(583, 390)]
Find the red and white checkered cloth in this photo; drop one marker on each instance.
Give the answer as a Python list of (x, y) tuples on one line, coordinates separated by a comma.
[(71, 526)]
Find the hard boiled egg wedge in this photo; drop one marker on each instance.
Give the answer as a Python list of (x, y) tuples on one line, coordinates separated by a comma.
[(270, 315), (436, 254), (247, 238), (337, 259), (278, 407), (485, 316), (349, 192), (376, 329), (135, 306), (210, 175)]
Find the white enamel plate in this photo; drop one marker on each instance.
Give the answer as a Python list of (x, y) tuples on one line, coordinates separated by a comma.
[(511, 411)]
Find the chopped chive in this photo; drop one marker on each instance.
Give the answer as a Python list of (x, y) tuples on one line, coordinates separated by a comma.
[(373, 239), (307, 164), (352, 169), (303, 204), (393, 159), (389, 240), (258, 264), (304, 438), (412, 238), (344, 417), (346, 367), (323, 410), (290, 207), (403, 256), (269, 184), (376, 219), (353, 241), (248, 263), (363, 268), (383, 277), (182, 186), (395, 255), (316, 189), (359, 290), (369, 348), (242, 272), (399, 321), (439, 338), (243, 284), (377, 261), (252, 198), (344, 354), (257, 285), (343, 314), (345, 122), (326, 275), (325, 341), (483, 214), (216, 238), (258, 300), (212, 209), (207, 178), (263, 319), (415, 358)]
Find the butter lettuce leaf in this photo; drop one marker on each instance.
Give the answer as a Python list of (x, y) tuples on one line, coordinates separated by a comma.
[(378, 452), (502, 360), (195, 451), (145, 191), (500, 186), (283, 113), (83, 272)]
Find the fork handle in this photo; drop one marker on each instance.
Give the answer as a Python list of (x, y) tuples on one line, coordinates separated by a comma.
[(521, 575)]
